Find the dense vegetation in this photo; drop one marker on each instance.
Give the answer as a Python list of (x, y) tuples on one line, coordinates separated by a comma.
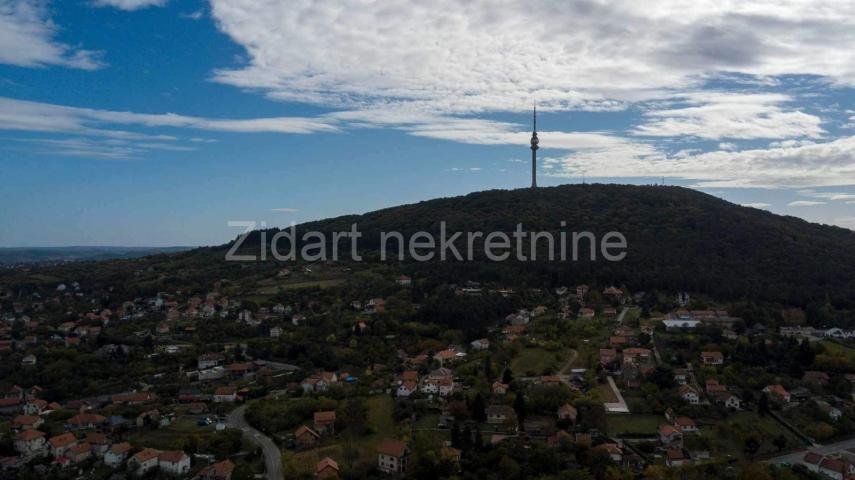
[(679, 239)]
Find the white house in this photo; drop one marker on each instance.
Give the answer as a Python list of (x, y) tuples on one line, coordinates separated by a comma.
[(406, 388), (174, 462), (480, 344), (117, 454), (30, 442), (688, 394), (144, 461)]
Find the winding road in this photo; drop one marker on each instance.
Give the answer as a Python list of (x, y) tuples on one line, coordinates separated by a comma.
[(272, 454)]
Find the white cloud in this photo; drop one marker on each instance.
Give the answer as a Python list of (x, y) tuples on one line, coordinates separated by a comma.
[(759, 205), (27, 39), (716, 115), (822, 164), (130, 4), (198, 14), (285, 210), (805, 203), (45, 117), (833, 196), (456, 57)]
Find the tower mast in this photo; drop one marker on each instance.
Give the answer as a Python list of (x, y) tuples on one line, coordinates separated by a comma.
[(534, 147)]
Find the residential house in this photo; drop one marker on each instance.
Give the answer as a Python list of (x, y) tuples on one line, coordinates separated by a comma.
[(480, 344), (404, 281), (392, 457), (225, 394), (218, 471), (30, 443), (209, 360), (500, 415), (61, 443), (79, 453), (326, 468), (568, 412), (777, 392), (305, 437), (99, 442), (173, 462), (712, 358), (835, 468), (85, 421), (407, 388), (608, 356), (26, 422), (681, 376), (325, 422), (500, 388), (689, 394), (811, 461), (685, 425), (727, 399), (116, 454), (35, 406), (674, 457), (143, 461), (670, 436)]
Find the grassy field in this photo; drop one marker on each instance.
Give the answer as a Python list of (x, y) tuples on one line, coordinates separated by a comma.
[(380, 411), (744, 423), (171, 436), (636, 424), (538, 360)]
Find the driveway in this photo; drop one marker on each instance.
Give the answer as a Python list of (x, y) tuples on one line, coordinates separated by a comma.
[(272, 454)]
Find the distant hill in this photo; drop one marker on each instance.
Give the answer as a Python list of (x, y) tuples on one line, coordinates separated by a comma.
[(26, 255), (679, 239)]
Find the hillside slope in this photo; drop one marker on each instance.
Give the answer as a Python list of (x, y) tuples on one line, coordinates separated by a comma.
[(678, 238)]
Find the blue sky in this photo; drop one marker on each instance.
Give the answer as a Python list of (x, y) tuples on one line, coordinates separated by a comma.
[(155, 122)]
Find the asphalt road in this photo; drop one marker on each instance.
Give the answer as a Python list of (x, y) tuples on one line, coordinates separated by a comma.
[(272, 454)]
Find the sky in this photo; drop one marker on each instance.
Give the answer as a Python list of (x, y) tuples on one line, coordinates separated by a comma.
[(156, 122)]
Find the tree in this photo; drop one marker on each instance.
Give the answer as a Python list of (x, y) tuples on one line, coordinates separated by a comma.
[(519, 408), (488, 367), (751, 445), (455, 436), (507, 376), (780, 442), (763, 404), (479, 408)]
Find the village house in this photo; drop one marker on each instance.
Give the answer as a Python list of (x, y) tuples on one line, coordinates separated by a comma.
[(85, 421), (225, 394), (218, 471), (61, 443), (835, 468), (712, 358), (689, 394), (30, 443), (480, 344), (404, 281), (608, 356), (674, 457), (143, 461), (305, 437), (727, 399), (681, 376), (209, 360), (79, 453), (99, 442), (35, 406), (500, 388), (326, 468), (325, 422), (777, 392), (685, 425), (26, 422), (173, 462), (819, 378), (670, 436), (568, 412), (116, 454), (392, 457)]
